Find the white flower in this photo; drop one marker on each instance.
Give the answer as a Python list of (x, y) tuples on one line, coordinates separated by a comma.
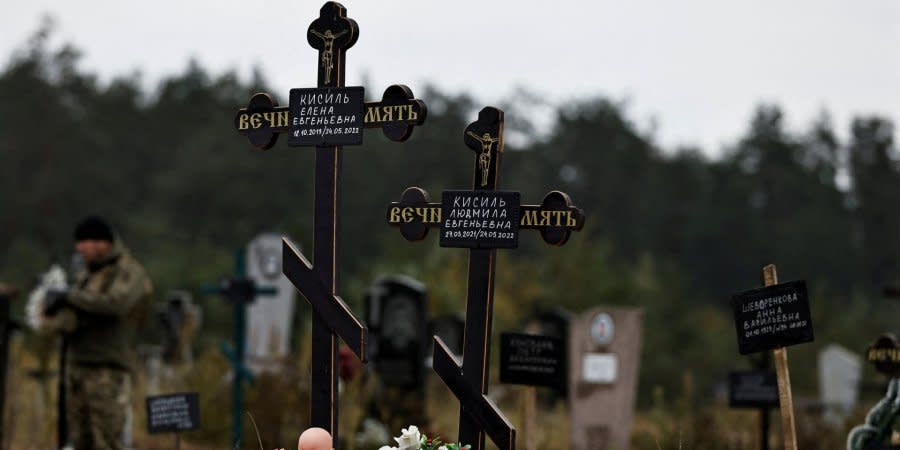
[(386, 447), (443, 447), (410, 439)]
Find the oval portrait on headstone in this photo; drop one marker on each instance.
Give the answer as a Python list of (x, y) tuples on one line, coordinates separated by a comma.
[(602, 329), (268, 259)]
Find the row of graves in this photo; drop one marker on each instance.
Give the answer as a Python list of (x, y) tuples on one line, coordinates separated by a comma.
[(590, 360), (595, 359)]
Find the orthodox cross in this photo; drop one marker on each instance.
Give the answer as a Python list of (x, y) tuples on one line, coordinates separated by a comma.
[(240, 291), (482, 220), (328, 117)]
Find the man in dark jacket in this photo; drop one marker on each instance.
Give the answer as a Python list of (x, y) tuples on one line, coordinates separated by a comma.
[(99, 315)]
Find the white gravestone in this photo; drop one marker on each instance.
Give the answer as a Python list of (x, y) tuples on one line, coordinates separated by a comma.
[(839, 375), (269, 317)]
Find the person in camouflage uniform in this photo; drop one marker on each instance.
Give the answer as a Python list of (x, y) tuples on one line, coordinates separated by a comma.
[(99, 315)]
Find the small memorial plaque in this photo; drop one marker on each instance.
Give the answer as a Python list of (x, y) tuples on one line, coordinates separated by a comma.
[(600, 368), (753, 389), (480, 219), (532, 360), (772, 317), (326, 116), (173, 413)]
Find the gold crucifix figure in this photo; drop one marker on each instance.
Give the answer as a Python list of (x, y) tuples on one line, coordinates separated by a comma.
[(484, 159), (328, 50)]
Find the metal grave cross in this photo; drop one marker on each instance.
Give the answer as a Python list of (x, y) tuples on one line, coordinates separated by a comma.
[(482, 220), (240, 291), (328, 117), (882, 419)]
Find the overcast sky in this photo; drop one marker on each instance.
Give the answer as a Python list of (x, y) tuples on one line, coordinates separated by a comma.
[(696, 68)]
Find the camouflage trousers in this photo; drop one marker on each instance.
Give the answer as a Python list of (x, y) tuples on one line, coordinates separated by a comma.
[(99, 399)]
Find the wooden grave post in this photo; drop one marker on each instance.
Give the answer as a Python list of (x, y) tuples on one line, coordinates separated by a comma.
[(7, 326), (772, 318), (240, 291), (482, 220), (328, 117)]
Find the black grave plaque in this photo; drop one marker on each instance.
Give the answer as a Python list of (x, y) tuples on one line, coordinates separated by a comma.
[(532, 360), (396, 313), (173, 412), (753, 389), (771, 317), (480, 219), (326, 116)]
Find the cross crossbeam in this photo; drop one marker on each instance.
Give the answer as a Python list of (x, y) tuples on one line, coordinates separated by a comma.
[(398, 112), (331, 308), (474, 404), (555, 218)]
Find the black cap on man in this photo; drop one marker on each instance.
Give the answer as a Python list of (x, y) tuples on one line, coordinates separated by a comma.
[(93, 228)]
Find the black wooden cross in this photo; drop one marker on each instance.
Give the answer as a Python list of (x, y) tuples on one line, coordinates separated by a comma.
[(482, 220), (328, 117)]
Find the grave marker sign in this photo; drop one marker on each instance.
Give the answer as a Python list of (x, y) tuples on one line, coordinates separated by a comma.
[(332, 34), (173, 413), (753, 389), (771, 318), (481, 220), (533, 360), (396, 312)]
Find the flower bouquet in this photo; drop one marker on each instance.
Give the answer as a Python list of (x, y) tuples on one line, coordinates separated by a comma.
[(411, 439)]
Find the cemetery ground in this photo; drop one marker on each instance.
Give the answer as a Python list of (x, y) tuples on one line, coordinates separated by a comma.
[(685, 358), (673, 416)]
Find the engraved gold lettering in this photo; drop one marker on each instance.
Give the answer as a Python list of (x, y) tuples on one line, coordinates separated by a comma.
[(282, 119), (559, 215), (529, 218), (545, 219), (413, 115), (570, 219), (407, 214), (395, 215), (388, 113), (243, 124), (373, 115), (256, 120)]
